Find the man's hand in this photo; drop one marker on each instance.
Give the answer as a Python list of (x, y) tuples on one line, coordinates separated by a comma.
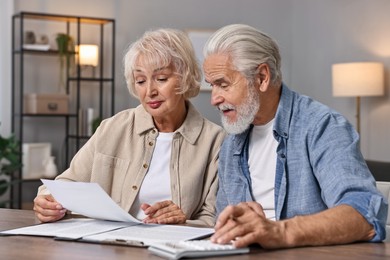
[(164, 212), (245, 224), (47, 209)]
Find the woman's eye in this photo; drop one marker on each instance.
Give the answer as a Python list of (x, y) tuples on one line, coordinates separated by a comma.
[(162, 79), (140, 82)]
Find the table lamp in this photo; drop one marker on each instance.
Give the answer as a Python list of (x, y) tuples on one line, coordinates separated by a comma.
[(358, 79), (88, 55)]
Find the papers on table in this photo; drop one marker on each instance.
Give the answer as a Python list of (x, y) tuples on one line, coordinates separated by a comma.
[(109, 232), (148, 234), (68, 228), (90, 200)]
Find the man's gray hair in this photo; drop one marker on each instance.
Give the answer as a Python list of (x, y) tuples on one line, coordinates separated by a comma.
[(248, 48)]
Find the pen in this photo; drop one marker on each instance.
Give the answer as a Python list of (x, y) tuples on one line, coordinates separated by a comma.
[(124, 242)]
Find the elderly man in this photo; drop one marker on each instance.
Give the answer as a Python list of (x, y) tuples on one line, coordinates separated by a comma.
[(290, 172)]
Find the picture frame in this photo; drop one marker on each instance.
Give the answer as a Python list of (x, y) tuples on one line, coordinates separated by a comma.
[(34, 155), (198, 39)]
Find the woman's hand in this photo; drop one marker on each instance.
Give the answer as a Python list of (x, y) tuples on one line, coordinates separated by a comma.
[(164, 212), (47, 209)]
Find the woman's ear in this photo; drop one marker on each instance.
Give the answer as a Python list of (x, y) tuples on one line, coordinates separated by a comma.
[(263, 77)]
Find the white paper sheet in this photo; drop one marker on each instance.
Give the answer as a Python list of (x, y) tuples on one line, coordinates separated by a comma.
[(145, 234), (68, 228), (87, 199), (109, 232)]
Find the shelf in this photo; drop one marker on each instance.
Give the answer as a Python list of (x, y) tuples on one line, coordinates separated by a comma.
[(26, 72), (49, 115), (91, 79), (78, 137), (39, 52), (64, 18)]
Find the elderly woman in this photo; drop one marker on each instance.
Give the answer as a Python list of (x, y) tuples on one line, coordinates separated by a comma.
[(157, 161)]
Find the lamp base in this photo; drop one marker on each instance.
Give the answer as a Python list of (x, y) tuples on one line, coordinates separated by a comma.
[(358, 114)]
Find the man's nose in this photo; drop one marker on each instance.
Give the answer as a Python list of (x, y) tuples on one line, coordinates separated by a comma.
[(216, 98)]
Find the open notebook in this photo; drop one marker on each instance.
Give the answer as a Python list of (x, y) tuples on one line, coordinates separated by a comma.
[(107, 222)]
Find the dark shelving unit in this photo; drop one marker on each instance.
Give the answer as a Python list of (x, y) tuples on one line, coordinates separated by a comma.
[(103, 84)]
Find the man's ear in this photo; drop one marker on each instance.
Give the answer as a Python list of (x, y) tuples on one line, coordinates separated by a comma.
[(263, 77)]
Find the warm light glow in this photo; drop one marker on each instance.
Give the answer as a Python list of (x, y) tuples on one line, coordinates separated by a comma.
[(88, 55), (358, 79)]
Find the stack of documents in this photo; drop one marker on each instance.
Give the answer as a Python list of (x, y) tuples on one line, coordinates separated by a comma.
[(107, 222)]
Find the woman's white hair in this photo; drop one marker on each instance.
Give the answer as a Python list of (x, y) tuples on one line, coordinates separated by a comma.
[(161, 48), (248, 48)]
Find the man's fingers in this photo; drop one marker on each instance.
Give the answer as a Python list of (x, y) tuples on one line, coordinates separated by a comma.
[(245, 240), (230, 212), (235, 224), (219, 235), (256, 207)]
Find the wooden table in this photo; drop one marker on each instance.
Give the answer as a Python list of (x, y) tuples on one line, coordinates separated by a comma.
[(29, 247)]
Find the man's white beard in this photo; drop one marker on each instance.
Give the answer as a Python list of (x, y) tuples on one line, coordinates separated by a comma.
[(246, 113)]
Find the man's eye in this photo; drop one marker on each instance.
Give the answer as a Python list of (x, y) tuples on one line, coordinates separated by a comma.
[(140, 82), (221, 86), (218, 84)]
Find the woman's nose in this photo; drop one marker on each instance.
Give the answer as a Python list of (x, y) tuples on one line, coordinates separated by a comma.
[(151, 89)]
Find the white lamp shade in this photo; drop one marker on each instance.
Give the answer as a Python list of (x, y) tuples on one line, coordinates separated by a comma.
[(358, 79), (88, 54)]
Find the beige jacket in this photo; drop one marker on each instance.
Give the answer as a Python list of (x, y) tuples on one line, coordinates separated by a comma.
[(118, 155)]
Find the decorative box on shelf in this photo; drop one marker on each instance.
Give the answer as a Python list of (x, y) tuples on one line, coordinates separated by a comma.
[(46, 103), (34, 156)]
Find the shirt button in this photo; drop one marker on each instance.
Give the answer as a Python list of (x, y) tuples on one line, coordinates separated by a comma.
[(283, 156), (134, 187), (145, 165), (150, 143)]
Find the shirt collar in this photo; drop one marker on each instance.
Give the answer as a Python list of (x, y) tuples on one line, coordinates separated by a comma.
[(190, 129), (284, 112)]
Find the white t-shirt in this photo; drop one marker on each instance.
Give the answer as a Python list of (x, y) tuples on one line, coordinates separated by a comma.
[(262, 166), (156, 185)]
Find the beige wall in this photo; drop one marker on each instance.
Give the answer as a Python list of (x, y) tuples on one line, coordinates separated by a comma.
[(312, 34), (6, 10)]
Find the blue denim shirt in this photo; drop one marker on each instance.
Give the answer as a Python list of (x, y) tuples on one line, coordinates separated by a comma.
[(319, 165)]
